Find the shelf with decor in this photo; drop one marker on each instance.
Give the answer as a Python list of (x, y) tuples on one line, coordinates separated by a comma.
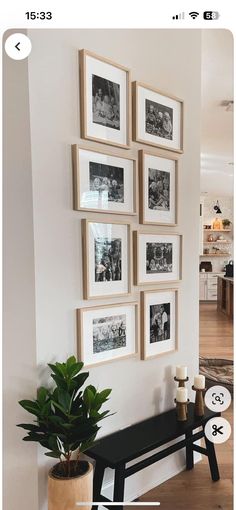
[(217, 242), (217, 229), (216, 255)]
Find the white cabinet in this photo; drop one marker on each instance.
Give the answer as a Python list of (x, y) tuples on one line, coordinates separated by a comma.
[(208, 286), (201, 228), (202, 287)]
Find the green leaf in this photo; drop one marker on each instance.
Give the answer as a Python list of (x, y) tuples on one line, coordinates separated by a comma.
[(55, 455), (87, 444), (71, 361), (59, 406), (28, 426), (31, 406), (88, 397), (105, 394), (64, 399), (42, 395)]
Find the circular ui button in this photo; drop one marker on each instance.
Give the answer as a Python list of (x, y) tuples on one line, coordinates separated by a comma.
[(217, 430), (217, 398), (18, 46)]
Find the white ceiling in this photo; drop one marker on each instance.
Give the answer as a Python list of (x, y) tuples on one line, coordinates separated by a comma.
[(217, 123)]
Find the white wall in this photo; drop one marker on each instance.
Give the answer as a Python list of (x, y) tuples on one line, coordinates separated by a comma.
[(20, 480), (170, 61)]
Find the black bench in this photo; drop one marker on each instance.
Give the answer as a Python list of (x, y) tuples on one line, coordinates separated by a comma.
[(115, 450)]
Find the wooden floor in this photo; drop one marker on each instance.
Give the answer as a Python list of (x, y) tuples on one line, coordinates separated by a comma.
[(216, 333), (194, 490)]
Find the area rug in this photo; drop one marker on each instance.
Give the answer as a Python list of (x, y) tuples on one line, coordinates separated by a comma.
[(217, 371)]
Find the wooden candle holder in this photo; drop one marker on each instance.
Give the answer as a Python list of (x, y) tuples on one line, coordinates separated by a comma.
[(181, 410), (181, 382), (199, 402)]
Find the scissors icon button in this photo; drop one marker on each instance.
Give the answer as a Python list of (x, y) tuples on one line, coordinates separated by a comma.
[(217, 430)]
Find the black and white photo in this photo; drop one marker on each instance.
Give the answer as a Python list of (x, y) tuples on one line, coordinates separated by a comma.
[(109, 333), (159, 258), (106, 102), (104, 182), (107, 259), (158, 190), (159, 322), (158, 120), (107, 181)]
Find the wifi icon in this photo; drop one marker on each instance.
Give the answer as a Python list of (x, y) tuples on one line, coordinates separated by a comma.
[(194, 14)]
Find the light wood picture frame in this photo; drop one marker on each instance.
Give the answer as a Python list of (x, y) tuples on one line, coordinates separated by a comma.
[(157, 118), (158, 188), (107, 258), (105, 100), (159, 322), (157, 257), (108, 333), (104, 182)]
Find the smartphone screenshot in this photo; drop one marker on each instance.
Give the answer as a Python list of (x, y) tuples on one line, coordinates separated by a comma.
[(118, 255)]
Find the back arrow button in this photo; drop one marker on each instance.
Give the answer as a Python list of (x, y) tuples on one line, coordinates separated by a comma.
[(17, 46)]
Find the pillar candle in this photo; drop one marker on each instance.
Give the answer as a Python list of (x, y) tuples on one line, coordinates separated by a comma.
[(181, 372), (182, 395), (199, 382)]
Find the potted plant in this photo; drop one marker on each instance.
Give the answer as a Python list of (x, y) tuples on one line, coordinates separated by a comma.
[(226, 223), (66, 424)]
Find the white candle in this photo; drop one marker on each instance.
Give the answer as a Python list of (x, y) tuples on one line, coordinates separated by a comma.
[(181, 372), (199, 382), (182, 394)]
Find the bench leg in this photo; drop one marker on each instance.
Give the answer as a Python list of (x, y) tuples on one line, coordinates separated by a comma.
[(97, 482), (212, 460), (119, 485), (189, 451)]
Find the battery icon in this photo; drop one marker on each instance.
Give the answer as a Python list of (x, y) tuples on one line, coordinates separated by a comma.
[(211, 15)]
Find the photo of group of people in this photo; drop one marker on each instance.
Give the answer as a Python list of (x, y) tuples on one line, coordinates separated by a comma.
[(109, 333), (107, 260), (106, 102), (159, 120), (159, 257), (159, 322), (107, 181), (158, 190)]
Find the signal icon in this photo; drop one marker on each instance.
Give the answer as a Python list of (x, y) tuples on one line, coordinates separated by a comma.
[(194, 14), (179, 16)]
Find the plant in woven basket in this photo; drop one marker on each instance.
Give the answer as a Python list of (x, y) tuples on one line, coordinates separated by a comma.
[(67, 417)]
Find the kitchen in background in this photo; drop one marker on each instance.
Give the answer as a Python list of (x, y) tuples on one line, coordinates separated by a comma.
[(216, 244)]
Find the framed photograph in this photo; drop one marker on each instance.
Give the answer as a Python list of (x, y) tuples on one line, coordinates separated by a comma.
[(159, 322), (106, 258), (158, 177), (104, 182), (158, 258), (158, 118), (105, 100), (107, 333)]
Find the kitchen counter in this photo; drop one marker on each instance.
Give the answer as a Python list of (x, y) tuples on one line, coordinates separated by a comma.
[(227, 278), (225, 295)]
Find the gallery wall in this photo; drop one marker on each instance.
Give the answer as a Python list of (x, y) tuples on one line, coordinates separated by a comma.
[(169, 60)]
